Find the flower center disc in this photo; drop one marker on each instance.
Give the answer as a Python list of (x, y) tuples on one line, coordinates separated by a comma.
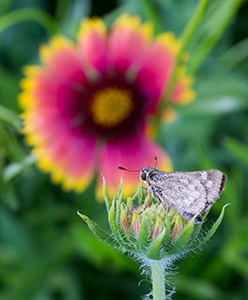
[(111, 106)]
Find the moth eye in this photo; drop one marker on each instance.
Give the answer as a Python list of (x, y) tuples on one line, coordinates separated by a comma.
[(143, 176)]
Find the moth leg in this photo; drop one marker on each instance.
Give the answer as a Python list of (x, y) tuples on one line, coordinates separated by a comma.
[(198, 220)]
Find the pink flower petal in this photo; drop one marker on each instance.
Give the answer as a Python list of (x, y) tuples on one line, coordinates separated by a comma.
[(61, 59), (127, 41), (52, 94), (135, 153), (93, 43), (75, 155), (70, 159), (156, 68)]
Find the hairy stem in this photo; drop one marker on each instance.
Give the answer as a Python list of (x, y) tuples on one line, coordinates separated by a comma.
[(158, 280)]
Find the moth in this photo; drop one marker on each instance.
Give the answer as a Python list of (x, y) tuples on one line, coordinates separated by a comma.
[(189, 193)]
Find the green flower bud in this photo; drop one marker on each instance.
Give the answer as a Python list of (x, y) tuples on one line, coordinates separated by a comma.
[(136, 222), (147, 226), (178, 226), (124, 220), (157, 229), (152, 232)]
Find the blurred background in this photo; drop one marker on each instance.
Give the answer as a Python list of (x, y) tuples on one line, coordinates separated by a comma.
[(46, 251)]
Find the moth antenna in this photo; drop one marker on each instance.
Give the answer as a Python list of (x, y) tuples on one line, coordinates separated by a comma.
[(156, 161), (121, 168)]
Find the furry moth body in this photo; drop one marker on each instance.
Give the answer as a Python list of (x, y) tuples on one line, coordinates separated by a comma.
[(189, 193)]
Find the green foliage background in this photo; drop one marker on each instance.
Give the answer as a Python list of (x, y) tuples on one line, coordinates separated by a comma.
[(46, 251)]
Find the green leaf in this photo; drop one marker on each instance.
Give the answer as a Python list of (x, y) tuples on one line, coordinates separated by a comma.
[(220, 16), (213, 229), (16, 168), (120, 191), (9, 89), (193, 23), (198, 227), (183, 238), (237, 149), (9, 197), (97, 230), (167, 236), (118, 205), (14, 234), (151, 11), (143, 234), (156, 246), (111, 218), (113, 224), (138, 193), (5, 5), (96, 252), (105, 195), (29, 14), (214, 105), (9, 116)]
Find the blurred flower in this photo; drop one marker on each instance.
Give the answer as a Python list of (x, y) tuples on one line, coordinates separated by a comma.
[(86, 108)]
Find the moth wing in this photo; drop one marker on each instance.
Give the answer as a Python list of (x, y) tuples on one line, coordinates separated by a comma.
[(191, 193), (212, 180), (182, 192)]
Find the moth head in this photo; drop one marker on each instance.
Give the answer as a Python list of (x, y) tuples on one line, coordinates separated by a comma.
[(147, 173), (143, 174)]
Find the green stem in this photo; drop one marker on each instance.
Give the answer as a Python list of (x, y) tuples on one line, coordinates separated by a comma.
[(185, 38), (187, 34), (152, 14), (193, 23), (222, 14), (29, 14), (158, 280), (236, 54), (61, 9)]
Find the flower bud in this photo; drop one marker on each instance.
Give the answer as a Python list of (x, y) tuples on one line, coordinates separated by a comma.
[(157, 229), (124, 221), (177, 228), (148, 201), (149, 230), (136, 221)]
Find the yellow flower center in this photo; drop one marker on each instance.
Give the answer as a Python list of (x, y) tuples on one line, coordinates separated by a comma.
[(111, 106)]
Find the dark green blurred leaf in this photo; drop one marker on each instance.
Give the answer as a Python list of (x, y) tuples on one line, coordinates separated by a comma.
[(99, 253), (220, 16), (237, 149), (8, 116), (5, 6), (9, 88), (29, 14), (199, 288), (14, 234), (213, 229), (16, 168)]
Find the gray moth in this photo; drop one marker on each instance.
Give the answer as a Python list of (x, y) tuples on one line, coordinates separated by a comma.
[(189, 193)]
